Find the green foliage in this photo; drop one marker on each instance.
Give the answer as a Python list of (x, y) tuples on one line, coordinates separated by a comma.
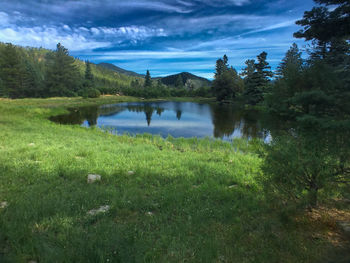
[(32, 67), (12, 72), (289, 82), (62, 76), (314, 156), (148, 80), (89, 77), (300, 165), (90, 93), (257, 78), (324, 25), (227, 83), (221, 66)]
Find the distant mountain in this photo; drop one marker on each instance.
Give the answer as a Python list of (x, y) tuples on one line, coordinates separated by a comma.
[(171, 80), (120, 70)]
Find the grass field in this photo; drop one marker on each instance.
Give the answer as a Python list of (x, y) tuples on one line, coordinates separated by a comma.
[(174, 200)]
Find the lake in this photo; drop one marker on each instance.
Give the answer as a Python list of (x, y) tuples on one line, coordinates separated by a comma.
[(178, 119)]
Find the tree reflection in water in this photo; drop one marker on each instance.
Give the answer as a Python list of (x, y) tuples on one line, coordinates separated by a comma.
[(219, 121)]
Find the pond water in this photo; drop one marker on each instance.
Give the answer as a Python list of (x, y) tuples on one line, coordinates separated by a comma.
[(178, 119)]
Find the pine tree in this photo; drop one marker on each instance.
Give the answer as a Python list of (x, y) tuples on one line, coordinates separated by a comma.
[(88, 72), (291, 64), (62, 78), (249, 69), (148, 80), (11, 72), (31, 81), (227, 82), (263, 70), (89, 77), (257, 80), (221, 66)]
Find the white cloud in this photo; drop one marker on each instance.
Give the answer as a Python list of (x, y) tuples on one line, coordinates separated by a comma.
[(152, 5), (4, 18), (48, 37), (132, 32), (75, 39), (66, 27)]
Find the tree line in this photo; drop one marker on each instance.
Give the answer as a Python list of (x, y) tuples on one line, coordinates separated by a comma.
[(37, 72), (31, 72), (309, 159)]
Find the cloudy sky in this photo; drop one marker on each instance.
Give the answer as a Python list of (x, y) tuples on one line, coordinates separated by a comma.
[(164, 36)]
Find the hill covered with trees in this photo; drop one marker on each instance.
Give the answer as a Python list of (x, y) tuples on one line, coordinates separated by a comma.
[(185, 79), (38, 72), (120, 70)]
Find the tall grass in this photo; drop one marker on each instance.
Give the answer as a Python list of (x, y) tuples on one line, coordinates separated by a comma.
[(187, 200)]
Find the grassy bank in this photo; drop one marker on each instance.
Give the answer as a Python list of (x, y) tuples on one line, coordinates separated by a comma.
[(174, 200)]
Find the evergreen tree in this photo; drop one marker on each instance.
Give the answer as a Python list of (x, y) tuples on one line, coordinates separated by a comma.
[(290, 74), (227, 83), (148, 80), (62, 77), (89, 77), (31, 81), (291, 64), (263, 70), (249, 69), (324, 26), (328, 72), (258, 79), (12, 72), (221, 66)]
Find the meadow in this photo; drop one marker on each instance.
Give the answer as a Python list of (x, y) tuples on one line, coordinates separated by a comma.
[(170, 200)]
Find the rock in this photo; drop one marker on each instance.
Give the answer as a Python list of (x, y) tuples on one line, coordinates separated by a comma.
[(345, 226), (102, 209), (3, 205), (93, 178), (131, 173)]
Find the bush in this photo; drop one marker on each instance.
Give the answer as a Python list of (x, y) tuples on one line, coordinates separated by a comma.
[(90, 93), (301, 165)]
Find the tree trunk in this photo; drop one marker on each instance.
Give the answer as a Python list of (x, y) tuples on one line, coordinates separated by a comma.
[(313, 196)]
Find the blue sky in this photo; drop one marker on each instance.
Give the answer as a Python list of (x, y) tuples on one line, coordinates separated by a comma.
[(164, 36)]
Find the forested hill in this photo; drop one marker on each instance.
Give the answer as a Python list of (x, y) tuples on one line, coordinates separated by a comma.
[(120, 70), (38, 72), (184, 77)]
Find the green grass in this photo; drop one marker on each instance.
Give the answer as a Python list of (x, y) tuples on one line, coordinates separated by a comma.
[(178, 205)]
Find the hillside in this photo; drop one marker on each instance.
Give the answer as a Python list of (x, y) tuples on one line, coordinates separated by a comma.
[(186, 76), (119, 70), (31, 65)]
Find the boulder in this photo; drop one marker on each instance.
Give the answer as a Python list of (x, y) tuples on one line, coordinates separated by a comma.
[(3, 205), (93, 178), (101, 210)]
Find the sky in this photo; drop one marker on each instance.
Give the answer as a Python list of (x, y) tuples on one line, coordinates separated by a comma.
[(164, 36)]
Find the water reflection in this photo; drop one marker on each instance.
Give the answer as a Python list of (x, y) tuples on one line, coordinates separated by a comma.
[(178, 119)]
